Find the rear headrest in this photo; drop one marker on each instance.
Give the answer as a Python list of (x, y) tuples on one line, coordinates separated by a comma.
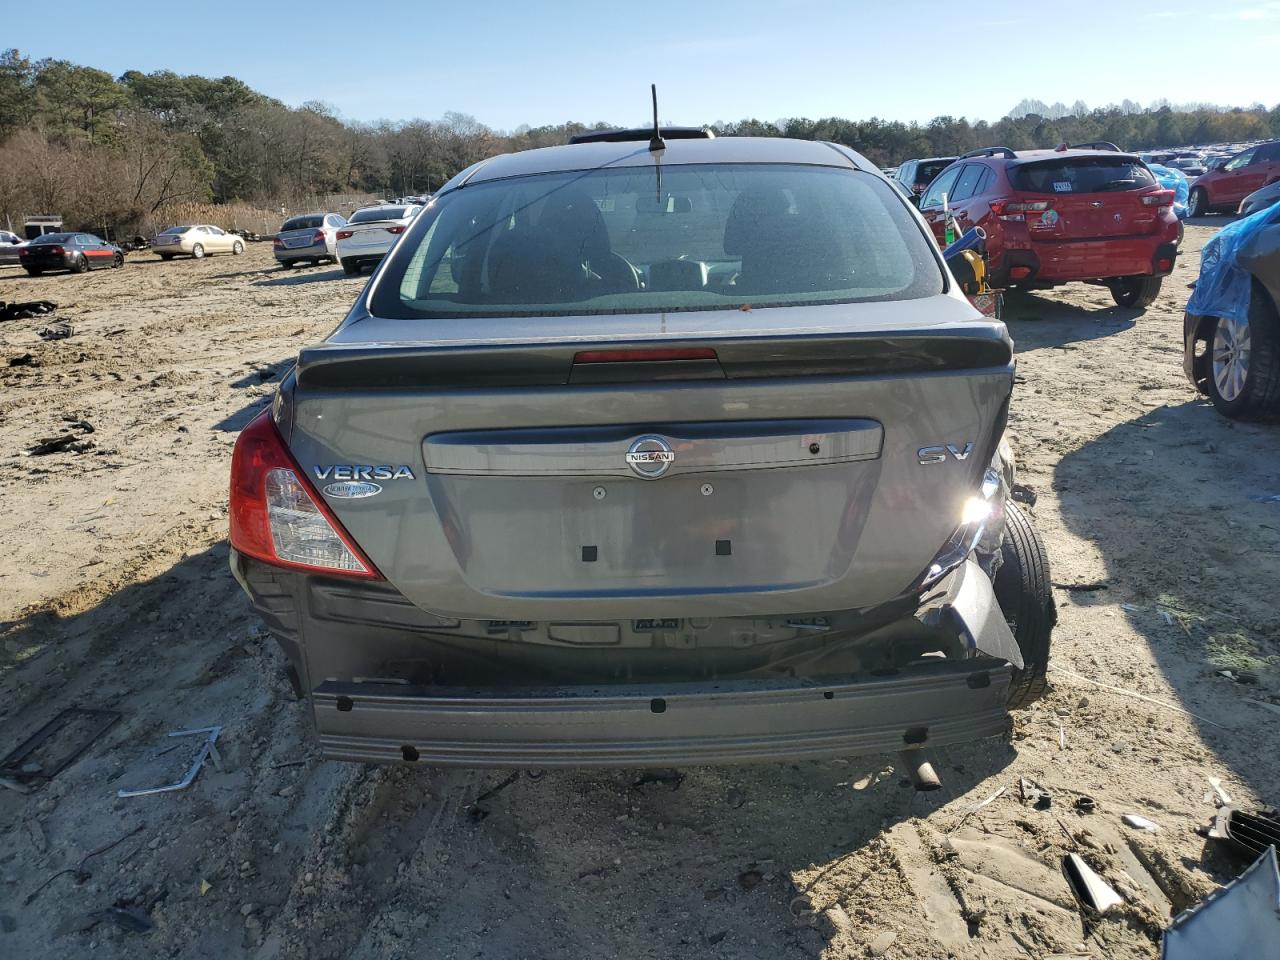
[(753, 212), (571, 217)]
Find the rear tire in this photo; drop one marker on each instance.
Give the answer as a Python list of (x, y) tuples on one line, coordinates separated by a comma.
[(33, 271), (117, 262), (166, 256), (1254, 392), (197, 252), (350, 267), (1140, 292), (1025, 596), (288, 264), (1181, 231), (79, 265), (1198, 202), (237, 248)]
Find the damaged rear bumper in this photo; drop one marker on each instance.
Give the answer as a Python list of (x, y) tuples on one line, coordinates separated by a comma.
[(670, 724)]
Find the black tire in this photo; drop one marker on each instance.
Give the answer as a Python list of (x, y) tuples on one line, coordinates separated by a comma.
[(237, 248), (1197, 202), (33, 271), (117, 261), (1259, 398), (350, 267), (166, 256), (1140, 292), (1181, 231), (288, 264), (197, 252), (79, 265), (1025, 595)]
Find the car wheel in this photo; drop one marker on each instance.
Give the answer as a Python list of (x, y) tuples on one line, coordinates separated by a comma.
[(237, 248), (1140, 292), (1198, 202), (79, 264), (350, 267), (166, 256), (1181, 231), (33, 271), (117, 261), (288, 264), (1025, 596), (197, 252), (1244, 362)]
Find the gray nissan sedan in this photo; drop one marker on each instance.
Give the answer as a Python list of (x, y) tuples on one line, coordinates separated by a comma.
[(640, 453)]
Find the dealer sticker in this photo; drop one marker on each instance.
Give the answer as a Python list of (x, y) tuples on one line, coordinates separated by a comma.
[(1062, 186)]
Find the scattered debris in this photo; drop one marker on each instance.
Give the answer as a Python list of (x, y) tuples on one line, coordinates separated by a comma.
[(1085, 804), (1034, 794), (1266, 498), (1089, 888), (48, 751), (978, 806), (1134, 694), (129, 919), (208, 750), (205, 887), (1241, 921), (750, 879), (1139, 822), (81, 874), (1273, 707), (73, 442), (1216, 794), (477, 812), (59, 330), (22, 360), (25, 311), (881, 944), (1084, 587), (1252, 832), (671, 777), (1024, 494), (1239, 676)]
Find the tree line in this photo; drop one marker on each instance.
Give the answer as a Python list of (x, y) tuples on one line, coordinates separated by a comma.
[(104, 150)]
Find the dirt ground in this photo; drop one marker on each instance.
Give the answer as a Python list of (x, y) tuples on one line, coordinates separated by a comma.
[(115, 594)]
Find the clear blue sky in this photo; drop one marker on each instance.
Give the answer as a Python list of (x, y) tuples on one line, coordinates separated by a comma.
[(508, 62)]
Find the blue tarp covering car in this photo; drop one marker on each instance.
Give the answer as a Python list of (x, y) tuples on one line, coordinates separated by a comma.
[(1176, 181), (1224, 286)]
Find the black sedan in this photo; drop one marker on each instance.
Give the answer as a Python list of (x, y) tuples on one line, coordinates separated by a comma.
[(76, 252)]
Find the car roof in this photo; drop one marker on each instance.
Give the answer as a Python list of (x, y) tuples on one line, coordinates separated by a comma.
[(1069, 153), (590, 156)]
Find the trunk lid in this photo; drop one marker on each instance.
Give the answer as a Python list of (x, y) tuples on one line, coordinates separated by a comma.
[(1087, 197), (783, 476)]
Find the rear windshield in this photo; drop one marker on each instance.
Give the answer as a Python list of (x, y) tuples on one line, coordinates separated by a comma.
[(175, 230), (929, 169), (705, 237), (1081, 175), (377, 213), (303, 223), (54, 238)]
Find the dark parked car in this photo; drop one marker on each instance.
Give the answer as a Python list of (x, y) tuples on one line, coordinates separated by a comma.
[(918, 174), (1232, 326), (635, 458), (1224, 188), (76, 252), (1055, 216)]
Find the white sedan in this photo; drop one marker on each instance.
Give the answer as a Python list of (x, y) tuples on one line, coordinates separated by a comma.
[(371, 233), (10, 244)]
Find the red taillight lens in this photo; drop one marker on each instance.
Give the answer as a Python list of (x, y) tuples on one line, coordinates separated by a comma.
[(345, 234), (1160, 198), (318, 238), (1019, 273), (396, 230), (644, 356), (277, 517), (277, 242), (1164, 263), (1015, 211), (24, 252)]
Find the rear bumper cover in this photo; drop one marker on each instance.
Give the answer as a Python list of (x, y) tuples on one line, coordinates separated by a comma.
[(1062, 262), (664, 725)]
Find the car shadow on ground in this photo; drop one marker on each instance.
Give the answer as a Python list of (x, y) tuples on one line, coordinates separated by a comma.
[(1036, 321), (743, 852), (293, 278), (1175, 502)]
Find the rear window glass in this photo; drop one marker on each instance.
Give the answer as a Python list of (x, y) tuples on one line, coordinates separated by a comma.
[(705, 237), (1081, 175), (54, 238), (175, 230), (303, 223), (929, 169), (377, 213)]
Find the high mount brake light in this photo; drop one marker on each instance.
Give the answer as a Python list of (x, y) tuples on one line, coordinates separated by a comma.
[(277, 517), (644, 356), (345, 234)]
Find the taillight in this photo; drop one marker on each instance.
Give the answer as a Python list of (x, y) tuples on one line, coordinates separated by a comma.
[(345, 234), (396, 230), (1159, 198), (277, 242), (318, 238), (277, 516), (1016, 210), (24, 252)]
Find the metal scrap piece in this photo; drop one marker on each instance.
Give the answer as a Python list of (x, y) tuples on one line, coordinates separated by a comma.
[(208, 750), (1089, 888), (1241, 921), (68, 735)]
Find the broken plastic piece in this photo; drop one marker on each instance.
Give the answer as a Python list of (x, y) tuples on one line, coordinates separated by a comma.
[(207, 750), (1241, 921), (1252, 832), (1089, 888), (1139, 822), (44, 754)]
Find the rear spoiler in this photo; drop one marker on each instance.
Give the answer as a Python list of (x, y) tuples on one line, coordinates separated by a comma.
[(418, 366)]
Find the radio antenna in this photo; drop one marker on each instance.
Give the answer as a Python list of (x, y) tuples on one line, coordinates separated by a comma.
[(656, 143)]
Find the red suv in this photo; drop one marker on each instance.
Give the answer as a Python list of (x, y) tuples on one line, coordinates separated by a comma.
[(1247, 171), (1053, 216)]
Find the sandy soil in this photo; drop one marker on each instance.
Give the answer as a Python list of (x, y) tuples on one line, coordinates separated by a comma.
[(115, 594)]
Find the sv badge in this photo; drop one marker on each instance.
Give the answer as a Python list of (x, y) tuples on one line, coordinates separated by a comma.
[(940, 454)]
